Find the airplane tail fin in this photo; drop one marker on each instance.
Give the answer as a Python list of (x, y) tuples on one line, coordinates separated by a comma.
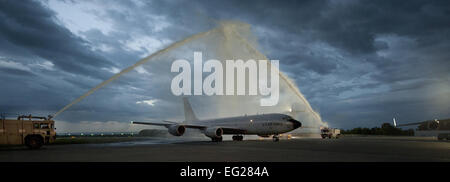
[(188, 112)]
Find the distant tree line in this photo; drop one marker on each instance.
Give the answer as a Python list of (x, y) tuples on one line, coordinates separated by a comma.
[(386, 129)]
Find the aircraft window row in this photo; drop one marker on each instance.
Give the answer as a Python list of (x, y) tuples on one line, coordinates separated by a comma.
[(41, 126), (44, 126), (272, 124)]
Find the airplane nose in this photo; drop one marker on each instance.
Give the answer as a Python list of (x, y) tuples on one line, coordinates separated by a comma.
[(296, 123)]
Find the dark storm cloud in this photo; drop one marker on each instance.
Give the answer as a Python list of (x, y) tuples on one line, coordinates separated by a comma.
[(359, 62), (10, 71), (30, 34), (351, 25), (309, 62), (31, 26)]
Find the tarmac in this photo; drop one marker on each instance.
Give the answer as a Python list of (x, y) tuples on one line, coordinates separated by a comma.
[(345, 149)]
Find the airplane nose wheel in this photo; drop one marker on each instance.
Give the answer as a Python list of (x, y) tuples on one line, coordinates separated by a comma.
[(218, 139), (238, 138), (276, 138)]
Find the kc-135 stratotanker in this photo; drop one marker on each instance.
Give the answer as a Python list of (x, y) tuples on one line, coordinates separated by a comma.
[(263, 125)]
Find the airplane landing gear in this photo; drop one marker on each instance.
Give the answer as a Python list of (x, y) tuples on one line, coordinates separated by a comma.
[(238, 138), (218, 139), (276, 138)]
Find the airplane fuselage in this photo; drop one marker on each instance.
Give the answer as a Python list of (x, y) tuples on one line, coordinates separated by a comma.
[(264, 124)]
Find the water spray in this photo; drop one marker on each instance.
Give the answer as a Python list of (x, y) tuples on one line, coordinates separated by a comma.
[(282, 76), (140, 62), (227, 30)]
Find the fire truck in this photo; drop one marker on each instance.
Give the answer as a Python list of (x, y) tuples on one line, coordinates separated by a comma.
[(31, 131), (326, 132)]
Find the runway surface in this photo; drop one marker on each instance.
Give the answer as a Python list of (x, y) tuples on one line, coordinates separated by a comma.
[(294, 150)]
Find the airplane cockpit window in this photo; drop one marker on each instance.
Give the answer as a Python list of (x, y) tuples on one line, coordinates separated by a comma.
[(44, 126)]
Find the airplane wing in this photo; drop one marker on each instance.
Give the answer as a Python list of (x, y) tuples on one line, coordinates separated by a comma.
[(148, 123), (411, 124), (233, 130), (415, 123), (226, 130), (168, 123)]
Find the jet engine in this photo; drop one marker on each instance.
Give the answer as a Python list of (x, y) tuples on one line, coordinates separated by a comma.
[(177, 130), (214, 132)]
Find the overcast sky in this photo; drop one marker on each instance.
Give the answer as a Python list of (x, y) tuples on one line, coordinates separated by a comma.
[(358, 62)]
